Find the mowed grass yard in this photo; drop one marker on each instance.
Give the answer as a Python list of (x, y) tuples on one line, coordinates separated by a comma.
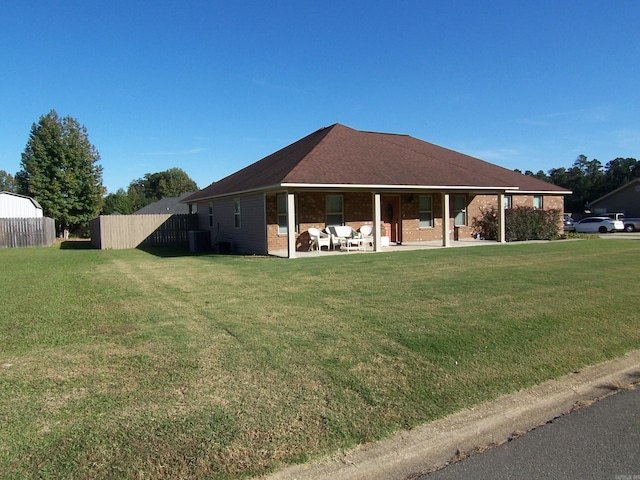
[(132, 364)]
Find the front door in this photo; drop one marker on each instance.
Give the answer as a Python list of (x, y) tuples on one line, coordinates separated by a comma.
[(391, 218)]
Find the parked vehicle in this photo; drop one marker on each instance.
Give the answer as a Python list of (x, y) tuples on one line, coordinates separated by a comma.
[(630, 224), (568, 223), (612, 216), (598, 225)]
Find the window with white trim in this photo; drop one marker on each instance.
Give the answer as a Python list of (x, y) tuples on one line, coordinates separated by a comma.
[(335, 212), (236, 213), (425, 211), (508, 202), (537, 202), (282, 213), (459, 210)]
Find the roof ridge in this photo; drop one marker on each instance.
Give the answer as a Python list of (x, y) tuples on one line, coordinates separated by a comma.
[(305, 158), (253, 175)]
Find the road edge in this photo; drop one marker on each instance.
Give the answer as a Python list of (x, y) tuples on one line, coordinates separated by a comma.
[(434, 445)]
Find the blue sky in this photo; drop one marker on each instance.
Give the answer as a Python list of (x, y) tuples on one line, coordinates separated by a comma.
[(211, 86)]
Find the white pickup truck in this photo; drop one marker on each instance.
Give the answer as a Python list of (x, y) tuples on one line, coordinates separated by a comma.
[(630, 224)]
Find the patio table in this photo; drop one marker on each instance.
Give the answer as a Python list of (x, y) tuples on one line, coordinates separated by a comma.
[(355, 243)]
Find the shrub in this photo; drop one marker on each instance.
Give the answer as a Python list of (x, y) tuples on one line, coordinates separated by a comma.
[(521, 223), (487, 224)]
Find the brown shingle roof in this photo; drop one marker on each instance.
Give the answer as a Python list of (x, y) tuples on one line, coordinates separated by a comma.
[(339, 155)]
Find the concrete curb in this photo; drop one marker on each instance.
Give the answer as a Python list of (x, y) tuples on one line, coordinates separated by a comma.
[(434, 445)]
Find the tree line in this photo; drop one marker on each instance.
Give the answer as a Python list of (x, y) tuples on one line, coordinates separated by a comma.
[(148, 189), (589, 179), (60, 169)]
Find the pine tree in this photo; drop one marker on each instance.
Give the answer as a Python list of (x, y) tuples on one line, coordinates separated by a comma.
[(60, 170)]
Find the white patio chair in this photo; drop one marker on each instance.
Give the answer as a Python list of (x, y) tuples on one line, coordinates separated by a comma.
[(366, 233), (344, 237), (319, 239)]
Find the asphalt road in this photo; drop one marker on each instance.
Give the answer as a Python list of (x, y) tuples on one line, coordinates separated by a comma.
[(601, 441), (606, 443)]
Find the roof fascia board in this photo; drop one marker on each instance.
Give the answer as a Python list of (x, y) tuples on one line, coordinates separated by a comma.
[(540, 192), (14, 194), (236, 193), (342, 186), (26, 197), (393, 187)]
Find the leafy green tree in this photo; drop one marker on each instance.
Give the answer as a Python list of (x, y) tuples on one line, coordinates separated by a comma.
[(154, 186), (7, 182), (588, 180), (136, 196), (558, 176), (540, 175), (584, 179), (619, 172), (60, 170), (118, 202)]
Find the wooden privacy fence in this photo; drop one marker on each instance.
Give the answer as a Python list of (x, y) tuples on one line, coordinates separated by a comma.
[(27, 232), (131, 231)]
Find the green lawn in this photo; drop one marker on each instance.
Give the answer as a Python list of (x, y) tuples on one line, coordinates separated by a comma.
[(133, 364)]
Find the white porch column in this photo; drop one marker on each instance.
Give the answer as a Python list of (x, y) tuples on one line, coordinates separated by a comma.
[(377, 218), (502, 234), (446, 241), (291, 225)]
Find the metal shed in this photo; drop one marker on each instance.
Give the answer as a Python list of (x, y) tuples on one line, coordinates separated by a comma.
[(14, 205)]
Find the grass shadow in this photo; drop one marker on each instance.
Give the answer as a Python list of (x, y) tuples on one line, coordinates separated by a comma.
[(173, 252), (77, 244), (166, 252)]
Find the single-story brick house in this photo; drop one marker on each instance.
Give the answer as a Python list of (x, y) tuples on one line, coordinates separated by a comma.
[(408, 190)]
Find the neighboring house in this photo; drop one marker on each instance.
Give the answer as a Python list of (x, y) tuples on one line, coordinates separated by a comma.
[(407, 189), (625, 199), (167, 205), (14, 205)]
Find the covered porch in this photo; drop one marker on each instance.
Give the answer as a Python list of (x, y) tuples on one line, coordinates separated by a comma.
[(403, 247), (399, 219)]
